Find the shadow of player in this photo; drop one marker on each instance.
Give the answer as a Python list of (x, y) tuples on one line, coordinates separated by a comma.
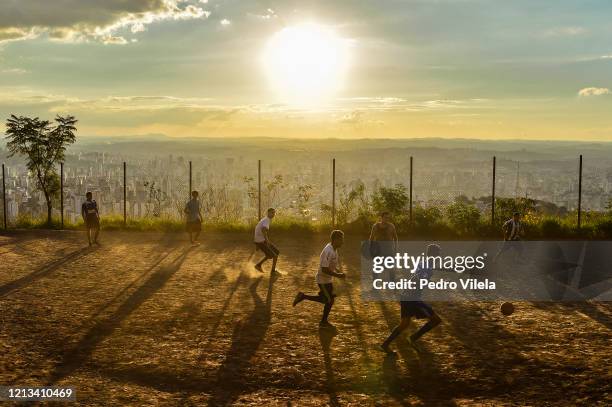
[(74, 357), (247, 337)]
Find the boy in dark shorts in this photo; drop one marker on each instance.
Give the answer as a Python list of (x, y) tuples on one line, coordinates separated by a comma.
[(263, 243), (416, 308), (194, 218), (91, 217), (328, 265)]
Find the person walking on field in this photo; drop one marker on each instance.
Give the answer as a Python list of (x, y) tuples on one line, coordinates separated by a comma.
[(263, 243), (194, 218), (91, 217)]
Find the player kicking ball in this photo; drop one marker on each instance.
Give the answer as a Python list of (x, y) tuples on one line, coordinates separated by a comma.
[(416, 308), (328, 267)]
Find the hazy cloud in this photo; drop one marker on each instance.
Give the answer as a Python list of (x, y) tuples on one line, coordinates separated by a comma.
[(593, 92), (564, 31), (14, 71), (267, 15)]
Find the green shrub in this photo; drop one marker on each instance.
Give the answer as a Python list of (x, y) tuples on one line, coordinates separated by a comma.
[(551, 228)]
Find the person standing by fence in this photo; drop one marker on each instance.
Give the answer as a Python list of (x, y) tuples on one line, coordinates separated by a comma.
[(91, 217), (383, 237), (194, 218)]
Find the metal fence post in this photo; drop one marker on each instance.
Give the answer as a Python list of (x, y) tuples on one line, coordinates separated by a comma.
[(62, 195), (4, 197), (190, 179), (258, 189), (579, 191), (493, 194), (333, 193), (410, 218), (124, 193)]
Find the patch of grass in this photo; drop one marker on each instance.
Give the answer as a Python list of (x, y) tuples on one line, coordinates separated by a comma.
[(594, 226)]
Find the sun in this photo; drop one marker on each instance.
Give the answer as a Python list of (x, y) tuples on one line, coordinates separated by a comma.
[(306, 63)]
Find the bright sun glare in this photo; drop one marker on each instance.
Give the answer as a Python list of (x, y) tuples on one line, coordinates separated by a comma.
[(306, 63)]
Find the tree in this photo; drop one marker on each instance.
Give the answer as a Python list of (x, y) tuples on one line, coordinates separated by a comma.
[(393, 200), (464, 217), (304, 193), (156, 201), (44, 145)]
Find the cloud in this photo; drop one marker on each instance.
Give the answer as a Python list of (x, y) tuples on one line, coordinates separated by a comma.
[(225, 21), (14, 71), (565, 31), (97, 20), (593, 92), (8, 34), (268, 15)]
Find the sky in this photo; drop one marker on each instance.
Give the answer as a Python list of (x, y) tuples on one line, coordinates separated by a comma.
[(518, 69)]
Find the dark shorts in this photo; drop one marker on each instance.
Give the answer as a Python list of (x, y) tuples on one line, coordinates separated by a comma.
[(92, 222), (515, 245), (382, 248), (194, 227), (268, 249), (416, 309), (326, 291)]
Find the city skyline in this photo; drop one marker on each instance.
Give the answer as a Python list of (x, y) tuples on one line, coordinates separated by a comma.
[(194, 68), (297, 176)]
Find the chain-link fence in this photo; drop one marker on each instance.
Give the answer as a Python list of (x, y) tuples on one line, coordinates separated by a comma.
[(301, 187)]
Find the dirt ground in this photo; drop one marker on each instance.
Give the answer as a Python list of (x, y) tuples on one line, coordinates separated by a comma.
[(145, 319)]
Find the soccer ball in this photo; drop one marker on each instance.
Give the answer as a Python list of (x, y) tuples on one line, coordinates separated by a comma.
[(507, 308)]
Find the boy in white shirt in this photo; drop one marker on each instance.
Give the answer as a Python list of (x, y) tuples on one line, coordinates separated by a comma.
[(262, 241), (328, 265), (513, 231)]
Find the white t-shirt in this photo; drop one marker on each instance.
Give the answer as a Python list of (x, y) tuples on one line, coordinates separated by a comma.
[(329, 259), (514, 228), (259, 235)]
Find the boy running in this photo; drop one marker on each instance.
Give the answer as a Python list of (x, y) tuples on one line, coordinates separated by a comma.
[(263, 243), (416, 308), (194, 218), (91, 217), (327, 269)]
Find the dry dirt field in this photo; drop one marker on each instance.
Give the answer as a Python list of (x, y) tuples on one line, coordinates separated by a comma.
[(145, 319)]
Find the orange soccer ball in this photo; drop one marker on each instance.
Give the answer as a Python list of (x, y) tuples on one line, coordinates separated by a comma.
[(507, 308)]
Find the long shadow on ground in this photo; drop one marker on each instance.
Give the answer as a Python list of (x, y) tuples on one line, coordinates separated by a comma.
[(43, 271), (246, 339), (74, 357), (326, 337)]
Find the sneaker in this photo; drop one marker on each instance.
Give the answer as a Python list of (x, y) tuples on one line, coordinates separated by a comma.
[(386, 349), (298, 298)]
